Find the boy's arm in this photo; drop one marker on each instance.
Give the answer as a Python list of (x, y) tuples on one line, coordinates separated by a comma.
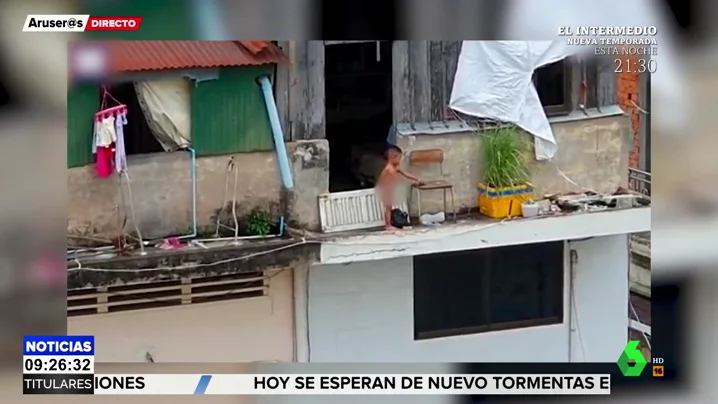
[(409, 176)]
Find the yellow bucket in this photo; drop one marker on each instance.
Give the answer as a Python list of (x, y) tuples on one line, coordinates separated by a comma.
[(500, 203)]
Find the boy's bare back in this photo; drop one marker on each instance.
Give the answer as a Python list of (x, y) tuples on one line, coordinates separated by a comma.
[(388, 176)]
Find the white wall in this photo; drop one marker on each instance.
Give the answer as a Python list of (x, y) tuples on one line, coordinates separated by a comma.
[(363, 312), (257, 329), (599, 321)]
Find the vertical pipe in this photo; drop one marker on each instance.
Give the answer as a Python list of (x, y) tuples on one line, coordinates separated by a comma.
[(300, 279), (281, 227), (208, 20), (280, 148), (193, 176)]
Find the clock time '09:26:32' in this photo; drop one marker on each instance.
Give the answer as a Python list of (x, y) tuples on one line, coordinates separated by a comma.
[(630, 65), (58, 365)]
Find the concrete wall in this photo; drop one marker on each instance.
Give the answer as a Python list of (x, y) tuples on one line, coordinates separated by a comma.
[(161, 189), (245, 330), (363, 312), (593, 153)]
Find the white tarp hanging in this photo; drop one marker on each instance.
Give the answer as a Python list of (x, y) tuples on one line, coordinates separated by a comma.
[(493, 80), (166, 106), (541, 19)]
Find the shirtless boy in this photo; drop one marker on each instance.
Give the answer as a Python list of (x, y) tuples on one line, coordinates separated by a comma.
[(388, 181)]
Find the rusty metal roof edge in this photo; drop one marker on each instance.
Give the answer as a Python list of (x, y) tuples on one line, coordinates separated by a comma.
[(245, 56), (157, 69)]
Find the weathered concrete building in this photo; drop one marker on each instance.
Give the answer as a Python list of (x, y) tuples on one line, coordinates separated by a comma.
[(353, 295), (409, 85), (177, 181)]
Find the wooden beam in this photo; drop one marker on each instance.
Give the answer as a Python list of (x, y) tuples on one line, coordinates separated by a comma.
[(606, 82), (443, 60), (344, 42), (316, 100), (307, 106), (438, 77), (451, 51), (281, 92), (420, 79), (401, 83)]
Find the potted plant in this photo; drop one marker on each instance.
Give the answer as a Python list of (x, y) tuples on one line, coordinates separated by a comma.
[(506, 183)]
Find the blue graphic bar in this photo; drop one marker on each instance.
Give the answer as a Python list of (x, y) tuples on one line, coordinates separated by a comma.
[(203, 384), (57, 345)]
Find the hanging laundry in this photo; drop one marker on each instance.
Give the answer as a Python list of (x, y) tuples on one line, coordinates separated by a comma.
[(120, 155), (106, 134), (104, 142), (95, 131), (104, 162)]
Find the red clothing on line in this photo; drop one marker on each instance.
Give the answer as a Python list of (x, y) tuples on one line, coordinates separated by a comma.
[(105, 157)]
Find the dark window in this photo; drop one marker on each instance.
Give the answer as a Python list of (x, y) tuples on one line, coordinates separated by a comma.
[(553, 84), (491, 289), (138, 136)]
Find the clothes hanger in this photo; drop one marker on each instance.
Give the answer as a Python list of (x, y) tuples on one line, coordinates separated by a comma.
[(105, 112)]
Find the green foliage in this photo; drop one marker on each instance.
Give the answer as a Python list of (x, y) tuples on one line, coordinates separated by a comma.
[(504, 157), (259, 222)]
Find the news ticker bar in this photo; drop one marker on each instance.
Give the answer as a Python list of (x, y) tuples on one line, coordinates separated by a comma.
[(315, 384)]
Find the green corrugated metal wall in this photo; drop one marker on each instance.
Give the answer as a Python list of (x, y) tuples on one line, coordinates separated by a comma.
[(229, 115), (83, 100)]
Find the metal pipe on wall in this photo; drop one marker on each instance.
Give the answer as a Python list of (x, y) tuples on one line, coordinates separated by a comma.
[(281, 150)]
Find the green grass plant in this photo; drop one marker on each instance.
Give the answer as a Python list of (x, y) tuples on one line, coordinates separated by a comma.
[(504, 152)]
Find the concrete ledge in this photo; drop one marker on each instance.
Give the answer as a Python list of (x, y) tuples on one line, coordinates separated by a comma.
[(591, 113), (475, 234), (172, 265), (456, 126)]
